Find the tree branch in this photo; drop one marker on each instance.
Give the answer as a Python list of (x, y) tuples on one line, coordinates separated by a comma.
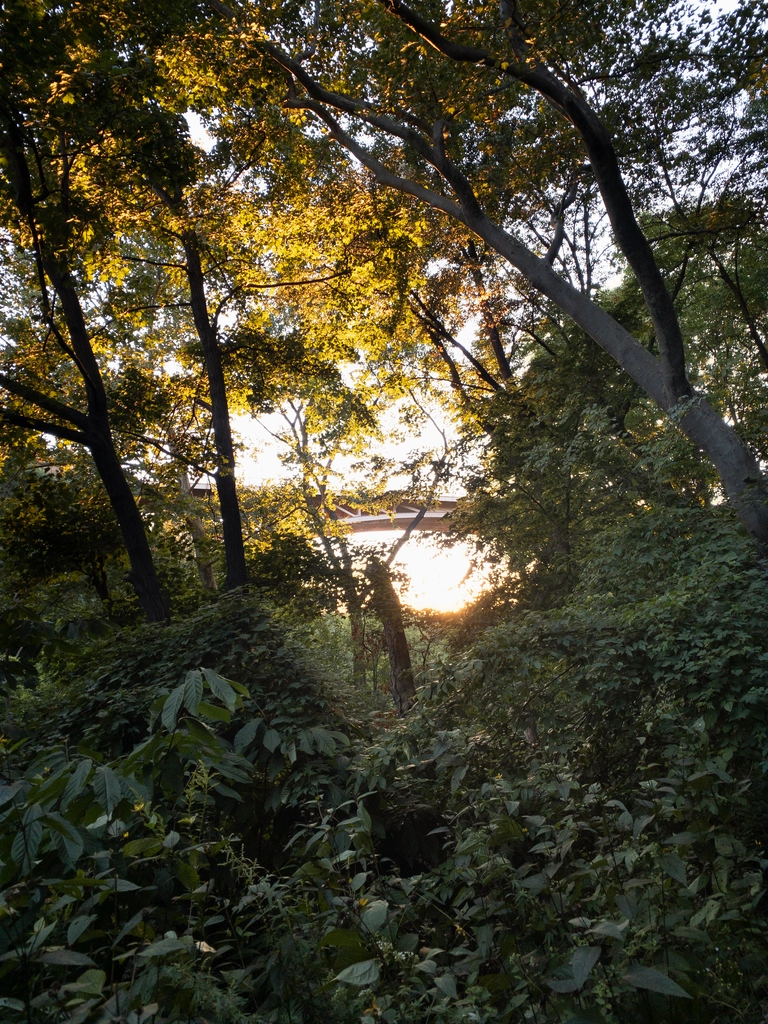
[(30, 394)]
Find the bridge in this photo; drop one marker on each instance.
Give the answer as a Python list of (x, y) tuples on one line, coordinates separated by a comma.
[(398, 518), (361, 520)]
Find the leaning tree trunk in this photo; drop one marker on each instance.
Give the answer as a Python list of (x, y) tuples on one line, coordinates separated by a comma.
[(387, 606), (664, 379)]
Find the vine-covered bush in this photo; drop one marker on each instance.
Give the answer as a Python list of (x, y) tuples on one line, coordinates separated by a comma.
[(568, 828)]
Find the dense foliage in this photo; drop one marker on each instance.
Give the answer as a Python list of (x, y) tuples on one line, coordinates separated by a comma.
[(512, 251)]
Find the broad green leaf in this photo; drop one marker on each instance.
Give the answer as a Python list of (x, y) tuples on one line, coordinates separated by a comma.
[(220, 688), (447, 985), (247, 734), (68, 840), (193, 691), (375, 914), (89, 983), (106, 786), (9, 792), (364, 816), (344, 938), (163, 947), (27, 839), (214, 712), (77, 926), (672, 865), (77, 782), (65, 958), (271, 739), (363, 974), (172, 706), (200, 733), (609, 928), (187, 875), (136, 847), (583, 960), (653, 980), (120, 885)]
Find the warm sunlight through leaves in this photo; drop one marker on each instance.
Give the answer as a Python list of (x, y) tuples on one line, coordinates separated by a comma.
[(442, 578)]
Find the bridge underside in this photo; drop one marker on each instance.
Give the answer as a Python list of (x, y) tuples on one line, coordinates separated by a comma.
[(398, 518)]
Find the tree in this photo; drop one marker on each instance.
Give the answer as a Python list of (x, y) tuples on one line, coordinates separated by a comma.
[(572, 81)]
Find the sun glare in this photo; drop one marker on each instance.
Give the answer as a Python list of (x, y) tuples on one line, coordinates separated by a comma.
[(441, 579)]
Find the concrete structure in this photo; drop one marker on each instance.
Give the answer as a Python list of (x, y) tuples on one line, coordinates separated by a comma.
[(397, 518)]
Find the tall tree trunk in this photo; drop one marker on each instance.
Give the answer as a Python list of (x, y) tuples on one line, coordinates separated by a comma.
[(237, 574), (94, 429), (199, 540), (387, 606), (359, 674), (142, 575)]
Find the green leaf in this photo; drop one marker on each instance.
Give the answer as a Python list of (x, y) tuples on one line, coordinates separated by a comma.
[(363, 974), (364, 816), (9, 792), (27, 840), (77, 926), (672, 865), (213, 711), (65, 958), (77, 782), (200, 732), (447, 985), (106, 786), (220, 688), (247, 734), (172, 706), (583, 959), (162, 948), (193, 691), (89, 983), (187, 875), (344, 938), (317, 739), (609, 928), (653, 980), (271, 739), (120, 885), (375, 914), (135, 847)]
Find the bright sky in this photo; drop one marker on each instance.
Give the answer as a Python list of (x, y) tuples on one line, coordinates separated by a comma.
[(441, 578)]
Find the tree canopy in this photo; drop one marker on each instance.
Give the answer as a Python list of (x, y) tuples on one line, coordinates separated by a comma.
[(532, 230)]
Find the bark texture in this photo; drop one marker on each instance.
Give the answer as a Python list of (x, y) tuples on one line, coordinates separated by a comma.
[(237, 574), (387, 606)]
